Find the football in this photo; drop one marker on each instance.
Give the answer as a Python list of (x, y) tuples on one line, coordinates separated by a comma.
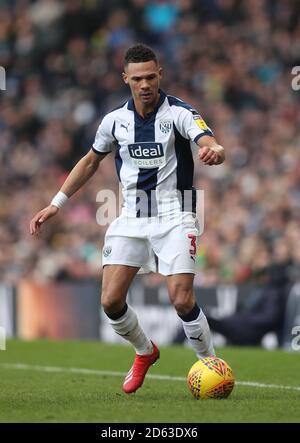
[(210, 377)]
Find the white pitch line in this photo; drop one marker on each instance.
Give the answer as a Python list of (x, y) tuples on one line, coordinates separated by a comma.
[(123, 374)]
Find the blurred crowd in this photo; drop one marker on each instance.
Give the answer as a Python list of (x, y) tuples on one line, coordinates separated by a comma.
[(230, 59)]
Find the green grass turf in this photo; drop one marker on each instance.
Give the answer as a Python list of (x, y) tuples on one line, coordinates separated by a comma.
[(36, 396)]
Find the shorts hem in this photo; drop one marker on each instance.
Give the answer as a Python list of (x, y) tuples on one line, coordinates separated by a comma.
[(127, 263), (178, 271)]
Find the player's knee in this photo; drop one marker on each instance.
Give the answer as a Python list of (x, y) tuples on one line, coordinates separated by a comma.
[(183, 307), (111, 303), (182, 298)]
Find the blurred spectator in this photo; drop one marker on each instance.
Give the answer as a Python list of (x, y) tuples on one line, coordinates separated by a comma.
[(262, 312), (231, 59)]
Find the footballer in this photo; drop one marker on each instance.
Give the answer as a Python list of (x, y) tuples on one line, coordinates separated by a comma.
[(151, 136)]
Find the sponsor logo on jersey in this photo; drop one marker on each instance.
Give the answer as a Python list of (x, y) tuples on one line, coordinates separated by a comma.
[(165, 126), (198, 119), (201, 123), (147, 154)]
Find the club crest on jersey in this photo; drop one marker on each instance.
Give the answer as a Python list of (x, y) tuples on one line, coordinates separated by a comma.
[(165, 126), (107, 251), (147, 154)]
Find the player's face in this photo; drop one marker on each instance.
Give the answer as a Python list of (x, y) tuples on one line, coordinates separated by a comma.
[(143, 80)]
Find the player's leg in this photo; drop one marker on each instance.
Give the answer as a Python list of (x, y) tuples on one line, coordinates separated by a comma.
[(123, 319), (126, 250), (175, 244), (194, 322)]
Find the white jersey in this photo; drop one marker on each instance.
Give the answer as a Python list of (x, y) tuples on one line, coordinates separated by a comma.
[(153, 155)]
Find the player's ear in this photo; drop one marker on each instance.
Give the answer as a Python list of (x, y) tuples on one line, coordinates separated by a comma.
[(160, 72), (125, 77)]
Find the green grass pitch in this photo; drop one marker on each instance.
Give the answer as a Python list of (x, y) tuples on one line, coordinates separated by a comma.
[(72, 381)]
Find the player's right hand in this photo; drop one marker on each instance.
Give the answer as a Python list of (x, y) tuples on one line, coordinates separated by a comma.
[(41, 217)]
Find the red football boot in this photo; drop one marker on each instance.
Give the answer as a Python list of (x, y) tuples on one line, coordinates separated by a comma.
[(135, 377)]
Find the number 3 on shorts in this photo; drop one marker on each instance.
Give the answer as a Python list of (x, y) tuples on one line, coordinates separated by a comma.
[(192, 237)]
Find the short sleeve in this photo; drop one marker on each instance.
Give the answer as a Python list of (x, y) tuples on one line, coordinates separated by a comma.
[(191, 125), (104, 139)]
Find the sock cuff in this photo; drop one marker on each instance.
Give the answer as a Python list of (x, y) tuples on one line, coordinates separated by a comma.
[(192, 315), (119, 314)]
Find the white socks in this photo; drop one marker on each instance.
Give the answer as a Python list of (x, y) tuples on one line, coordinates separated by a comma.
[(195, 326), (128, 327), (199, 336)]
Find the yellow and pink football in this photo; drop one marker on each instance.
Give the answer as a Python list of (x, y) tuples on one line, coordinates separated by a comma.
[(210, 377)]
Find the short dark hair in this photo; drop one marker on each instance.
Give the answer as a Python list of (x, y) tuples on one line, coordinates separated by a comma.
[(140, 53)]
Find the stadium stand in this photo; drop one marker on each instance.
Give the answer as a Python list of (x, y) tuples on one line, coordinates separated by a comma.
[(230, 59)]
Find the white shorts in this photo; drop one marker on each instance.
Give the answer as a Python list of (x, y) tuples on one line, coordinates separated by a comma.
[(154, 244)]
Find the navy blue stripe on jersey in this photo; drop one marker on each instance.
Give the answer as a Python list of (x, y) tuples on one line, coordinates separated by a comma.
[(205, 132), (98, 152), (185, 172), (118, 158), (118, 162), (144, 131), (173, 101)]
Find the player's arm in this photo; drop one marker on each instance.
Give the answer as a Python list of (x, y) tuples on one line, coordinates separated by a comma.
[(191, 126), (80, 174), (210, 152)]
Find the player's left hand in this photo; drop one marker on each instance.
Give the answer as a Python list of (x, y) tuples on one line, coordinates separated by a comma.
[(211, 155)]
